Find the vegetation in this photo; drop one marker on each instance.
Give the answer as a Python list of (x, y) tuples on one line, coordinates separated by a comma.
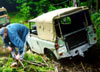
[(5, 65)]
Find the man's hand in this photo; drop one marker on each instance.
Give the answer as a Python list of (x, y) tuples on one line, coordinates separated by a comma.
[(18, 57), (10, 49)]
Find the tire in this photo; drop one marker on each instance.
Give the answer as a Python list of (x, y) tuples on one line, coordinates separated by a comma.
[(27, 46), (50, 54)]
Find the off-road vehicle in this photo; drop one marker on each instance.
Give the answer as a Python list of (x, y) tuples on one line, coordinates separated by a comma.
[(61, 33), (4, 18)]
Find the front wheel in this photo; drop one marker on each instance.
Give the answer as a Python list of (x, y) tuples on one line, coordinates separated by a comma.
[(27, 46)]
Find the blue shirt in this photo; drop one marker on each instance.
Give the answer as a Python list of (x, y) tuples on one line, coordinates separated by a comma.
[(16, 36)]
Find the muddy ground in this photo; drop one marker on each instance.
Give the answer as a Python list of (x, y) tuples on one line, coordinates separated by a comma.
[(89, 63)]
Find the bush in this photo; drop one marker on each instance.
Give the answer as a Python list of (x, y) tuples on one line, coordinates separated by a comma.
[(96, 21)]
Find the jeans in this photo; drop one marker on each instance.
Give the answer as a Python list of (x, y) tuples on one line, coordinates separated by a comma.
[(14, 52)]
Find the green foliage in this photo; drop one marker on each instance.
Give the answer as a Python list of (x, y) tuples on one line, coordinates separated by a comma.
[(29, 57), (96, 18), (25, 10), (7, 70), (33, 8), (16, 17), (28, 67), (96, 21), (51, 7), (83, 3), (1, 69), (32, 68), (6, 66)]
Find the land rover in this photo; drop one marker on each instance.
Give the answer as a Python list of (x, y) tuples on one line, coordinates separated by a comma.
[(61, 33)]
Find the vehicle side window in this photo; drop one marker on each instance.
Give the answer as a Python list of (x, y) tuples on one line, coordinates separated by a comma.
[(33, 28), (70, 23), (2, 13)]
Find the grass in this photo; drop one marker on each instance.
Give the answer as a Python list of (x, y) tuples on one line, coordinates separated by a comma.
[(1, 42), (28, 67), (15, 17)]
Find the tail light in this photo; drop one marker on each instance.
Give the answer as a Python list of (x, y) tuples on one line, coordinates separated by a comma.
[(56, 46), (61, 54), (8, 17), (95, 38)]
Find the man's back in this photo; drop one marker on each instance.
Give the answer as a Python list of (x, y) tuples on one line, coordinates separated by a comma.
[(17, 34)]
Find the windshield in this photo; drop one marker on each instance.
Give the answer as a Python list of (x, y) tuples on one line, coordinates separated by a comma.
[(72, 22), (2, 13)]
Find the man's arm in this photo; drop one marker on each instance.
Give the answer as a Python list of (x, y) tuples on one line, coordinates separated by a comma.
[(6, 43), (19, 44)]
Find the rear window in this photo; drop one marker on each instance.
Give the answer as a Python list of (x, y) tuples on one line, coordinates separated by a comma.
[(72, 22), (2, 13)]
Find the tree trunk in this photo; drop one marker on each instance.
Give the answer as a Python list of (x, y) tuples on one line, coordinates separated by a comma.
[(74, 3)]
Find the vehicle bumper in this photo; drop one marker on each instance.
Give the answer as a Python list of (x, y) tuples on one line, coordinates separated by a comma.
[(80, 50), (77, 51)]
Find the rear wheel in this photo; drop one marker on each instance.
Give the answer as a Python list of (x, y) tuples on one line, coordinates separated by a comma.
[(50, 54)]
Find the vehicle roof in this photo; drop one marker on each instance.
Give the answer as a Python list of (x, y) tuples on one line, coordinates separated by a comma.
[(2, 9), (45, 22), (48, 17)]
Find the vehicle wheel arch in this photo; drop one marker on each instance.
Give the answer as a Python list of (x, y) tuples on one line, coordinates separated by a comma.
[(49, 53)]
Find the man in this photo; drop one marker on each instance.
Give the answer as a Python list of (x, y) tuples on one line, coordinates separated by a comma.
[(14, 36)]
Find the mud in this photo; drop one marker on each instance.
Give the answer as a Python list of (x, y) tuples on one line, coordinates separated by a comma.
[(89, 63)]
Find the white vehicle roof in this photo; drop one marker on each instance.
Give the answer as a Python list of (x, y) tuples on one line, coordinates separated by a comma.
[(2, 9), (48, 17), (45, 22)]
